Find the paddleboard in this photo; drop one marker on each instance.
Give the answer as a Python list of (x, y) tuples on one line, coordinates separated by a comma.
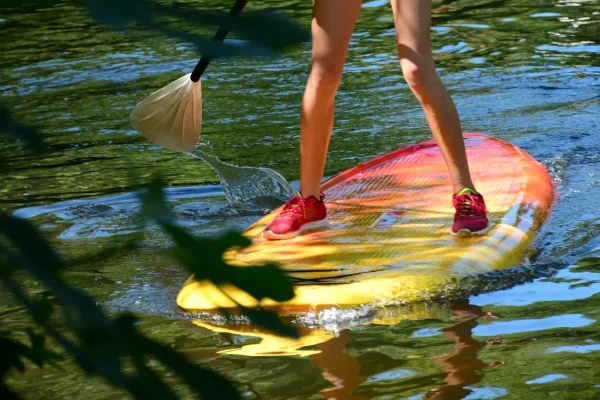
[(389, 237)]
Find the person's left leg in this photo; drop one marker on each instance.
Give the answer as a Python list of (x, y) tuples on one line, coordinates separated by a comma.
[(412, 19), (413, 25)]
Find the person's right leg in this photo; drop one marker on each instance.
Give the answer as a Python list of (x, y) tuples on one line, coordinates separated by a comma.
[(332, 25)]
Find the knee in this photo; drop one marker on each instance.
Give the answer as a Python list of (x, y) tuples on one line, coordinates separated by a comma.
[(418, 75), (324, 77)]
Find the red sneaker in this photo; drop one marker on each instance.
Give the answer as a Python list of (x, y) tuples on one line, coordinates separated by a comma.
[(299, 215), (471, 214)]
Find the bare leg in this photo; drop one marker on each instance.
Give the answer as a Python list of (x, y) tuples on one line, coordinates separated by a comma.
[(332, 26), (413, 24)]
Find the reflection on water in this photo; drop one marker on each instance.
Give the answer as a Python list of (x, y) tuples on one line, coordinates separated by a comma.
[(462, 365), (526, 71), (339, 368)]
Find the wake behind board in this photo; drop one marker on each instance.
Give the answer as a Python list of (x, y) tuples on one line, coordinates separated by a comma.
[(389, 237)]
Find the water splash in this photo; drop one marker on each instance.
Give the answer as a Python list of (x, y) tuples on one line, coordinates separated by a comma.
[(248, 186), (334, 319), (556, 168)]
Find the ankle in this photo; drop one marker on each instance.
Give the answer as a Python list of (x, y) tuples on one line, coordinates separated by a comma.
[(318, 196), (466, 190)]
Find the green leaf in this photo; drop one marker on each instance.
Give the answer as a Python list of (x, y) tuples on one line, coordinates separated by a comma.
[(7, 394), (154, 204), (204, 257), (39, 353), (212, 48), (269, 321), (22, 3), (12, 351), (44, 307), (118, 13), (37, 347), (209, 384), (36, 267), (273, 31), (147, 384), (106, 254), (267, 281), (8, 126), (28, 239), (265, 32)]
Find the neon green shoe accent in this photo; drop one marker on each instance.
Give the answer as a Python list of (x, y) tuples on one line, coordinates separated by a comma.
[(466, 191)]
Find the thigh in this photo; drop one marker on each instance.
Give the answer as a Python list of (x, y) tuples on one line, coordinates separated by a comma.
[(332, 25), (412, 19)]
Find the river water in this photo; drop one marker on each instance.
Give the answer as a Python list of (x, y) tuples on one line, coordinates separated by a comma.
[(525, 71)]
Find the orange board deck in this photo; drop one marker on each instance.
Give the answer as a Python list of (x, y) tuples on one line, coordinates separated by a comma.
[(389, 238)]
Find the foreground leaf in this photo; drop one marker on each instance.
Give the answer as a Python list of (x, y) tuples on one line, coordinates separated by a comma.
[(271, 321), (273, 31), (8, 126), (208, 384), (264, 33), (27, 238), (204, 257)]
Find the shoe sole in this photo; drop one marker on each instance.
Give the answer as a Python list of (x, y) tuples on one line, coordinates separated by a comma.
[(467, 233), (311, 226)]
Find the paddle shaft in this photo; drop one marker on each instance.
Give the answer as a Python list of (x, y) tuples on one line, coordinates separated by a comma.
[(219, 37)]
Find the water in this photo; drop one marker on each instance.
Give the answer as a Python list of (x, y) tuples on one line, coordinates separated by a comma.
[(246, 186), (525, 71)]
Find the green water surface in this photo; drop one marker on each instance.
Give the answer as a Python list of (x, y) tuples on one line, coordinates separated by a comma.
[(526, 71)]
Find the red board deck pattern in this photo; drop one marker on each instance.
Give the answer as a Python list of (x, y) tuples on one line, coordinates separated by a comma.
[(389, 237)]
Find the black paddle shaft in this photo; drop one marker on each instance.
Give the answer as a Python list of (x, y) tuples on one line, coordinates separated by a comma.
[(219, 37)]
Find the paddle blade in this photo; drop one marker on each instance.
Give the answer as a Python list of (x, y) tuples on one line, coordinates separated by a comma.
[(172, 116)]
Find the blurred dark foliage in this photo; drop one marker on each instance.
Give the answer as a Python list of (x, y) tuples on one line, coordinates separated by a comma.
[(110, 346)]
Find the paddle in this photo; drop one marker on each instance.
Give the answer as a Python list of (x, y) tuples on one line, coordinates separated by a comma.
[(172, 116)]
